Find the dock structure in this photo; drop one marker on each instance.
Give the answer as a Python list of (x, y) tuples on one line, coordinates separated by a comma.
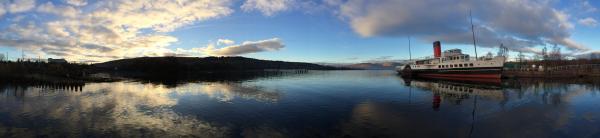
[(556, 71)]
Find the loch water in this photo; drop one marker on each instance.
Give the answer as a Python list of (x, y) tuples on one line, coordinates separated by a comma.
[(304, 104)]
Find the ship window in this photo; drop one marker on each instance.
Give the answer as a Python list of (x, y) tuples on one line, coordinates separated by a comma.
[(471, 64), (466, 65), (460, 65), (456, 66)]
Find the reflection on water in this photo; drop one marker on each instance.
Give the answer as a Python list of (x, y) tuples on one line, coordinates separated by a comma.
[(313, 104), (113, 109)]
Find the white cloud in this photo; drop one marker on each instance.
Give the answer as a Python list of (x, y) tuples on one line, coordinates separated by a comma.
[(587, 7), (525, 23), (589, 22), (247, 47), (66, 11), (267, 7), (333, 2), (225, 42), (112, 29), (2, 10), (21, 6), (76, 2)]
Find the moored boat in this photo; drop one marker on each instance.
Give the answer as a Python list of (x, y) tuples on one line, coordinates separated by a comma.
[(453, 64)]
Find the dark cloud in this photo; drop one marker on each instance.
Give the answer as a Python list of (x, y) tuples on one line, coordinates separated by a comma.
[(97, 47), (520, 25)]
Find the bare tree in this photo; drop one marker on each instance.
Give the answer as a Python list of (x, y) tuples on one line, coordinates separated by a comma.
[(545, 53), (503, 51), (521, 56), (555, 54)]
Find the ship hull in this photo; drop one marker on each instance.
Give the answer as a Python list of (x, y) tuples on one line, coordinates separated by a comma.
[(459, 73)]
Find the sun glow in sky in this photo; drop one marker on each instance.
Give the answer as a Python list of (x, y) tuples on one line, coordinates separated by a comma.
[(337, 31)]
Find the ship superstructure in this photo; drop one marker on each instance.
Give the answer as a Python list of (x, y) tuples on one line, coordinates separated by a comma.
[(453, 63)]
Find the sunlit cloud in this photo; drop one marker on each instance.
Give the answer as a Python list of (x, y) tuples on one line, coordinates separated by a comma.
[(267, 7), (17, 6), (225, 42), (106, 29), (76, 2), (247, 47), (50, 8)]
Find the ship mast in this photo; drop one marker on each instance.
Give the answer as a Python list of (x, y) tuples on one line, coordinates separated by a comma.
[(473, 31), (409, 51)]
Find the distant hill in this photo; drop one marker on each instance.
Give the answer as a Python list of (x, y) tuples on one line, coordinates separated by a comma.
[(197, 64), (374, 66)]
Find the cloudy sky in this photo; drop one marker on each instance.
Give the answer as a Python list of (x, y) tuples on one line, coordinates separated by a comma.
[(338, 31)]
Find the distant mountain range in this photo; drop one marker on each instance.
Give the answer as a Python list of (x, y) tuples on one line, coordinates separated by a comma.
[(375, 66), (382, 65), (197, 64)]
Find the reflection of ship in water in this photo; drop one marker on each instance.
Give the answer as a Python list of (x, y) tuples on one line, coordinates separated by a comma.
[(456, 92)]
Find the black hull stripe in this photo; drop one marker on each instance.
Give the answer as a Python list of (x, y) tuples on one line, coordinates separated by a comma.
[(480, 68)]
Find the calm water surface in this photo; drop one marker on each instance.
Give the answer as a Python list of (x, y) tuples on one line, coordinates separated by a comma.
[(312, 104)]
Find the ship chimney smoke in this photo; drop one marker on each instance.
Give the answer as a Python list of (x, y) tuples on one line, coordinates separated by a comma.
[(437, 49)]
